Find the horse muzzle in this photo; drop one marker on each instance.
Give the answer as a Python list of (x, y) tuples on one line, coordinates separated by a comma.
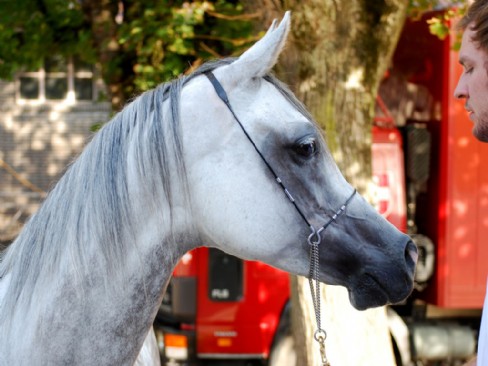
[(391, 283)]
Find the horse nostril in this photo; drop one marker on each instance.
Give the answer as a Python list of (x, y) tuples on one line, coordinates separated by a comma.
[(411, 254)]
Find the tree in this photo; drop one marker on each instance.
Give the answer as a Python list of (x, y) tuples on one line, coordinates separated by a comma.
[(334, 62), (137, 43)]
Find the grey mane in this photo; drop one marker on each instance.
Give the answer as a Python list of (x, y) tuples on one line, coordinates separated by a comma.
[(91, 204)]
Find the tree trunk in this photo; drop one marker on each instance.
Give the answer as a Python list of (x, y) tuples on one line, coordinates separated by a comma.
[(336, 56)]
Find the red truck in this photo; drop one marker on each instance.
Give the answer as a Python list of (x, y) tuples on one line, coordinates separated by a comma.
[(432, 179)]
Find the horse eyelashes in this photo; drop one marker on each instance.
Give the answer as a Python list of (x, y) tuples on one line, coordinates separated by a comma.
[(307, 148)]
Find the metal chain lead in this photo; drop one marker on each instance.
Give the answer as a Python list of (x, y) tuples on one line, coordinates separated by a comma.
[(320, 334), (314, 239)]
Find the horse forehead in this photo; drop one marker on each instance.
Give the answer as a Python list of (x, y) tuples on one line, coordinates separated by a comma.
[(266, 105), (261, 93)]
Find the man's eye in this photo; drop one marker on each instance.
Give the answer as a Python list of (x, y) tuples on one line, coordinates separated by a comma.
[(306, 148)]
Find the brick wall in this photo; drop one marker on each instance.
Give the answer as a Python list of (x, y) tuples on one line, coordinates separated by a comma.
[(37, 142)]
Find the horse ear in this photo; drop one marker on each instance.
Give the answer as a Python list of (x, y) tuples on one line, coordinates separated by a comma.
[(262, 56)]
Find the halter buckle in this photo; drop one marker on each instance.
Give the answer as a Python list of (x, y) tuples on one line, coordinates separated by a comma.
[(314, 237)]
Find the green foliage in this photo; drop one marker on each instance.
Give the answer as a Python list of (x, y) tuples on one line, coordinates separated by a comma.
[(167, 40), (418, 7), (31, 30), (156, 39), (439, 23)]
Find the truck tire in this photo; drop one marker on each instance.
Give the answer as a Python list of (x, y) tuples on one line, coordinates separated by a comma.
[(283, 351)]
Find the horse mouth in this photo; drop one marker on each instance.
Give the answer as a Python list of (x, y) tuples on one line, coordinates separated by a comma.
[(370, 292), (367, 294)]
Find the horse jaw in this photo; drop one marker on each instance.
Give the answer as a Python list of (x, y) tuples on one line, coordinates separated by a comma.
[(258, 60)]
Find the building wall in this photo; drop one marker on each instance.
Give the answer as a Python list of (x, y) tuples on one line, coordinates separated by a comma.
[(37, 142)]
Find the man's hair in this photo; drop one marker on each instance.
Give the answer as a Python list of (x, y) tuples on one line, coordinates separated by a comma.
[(476, 18)]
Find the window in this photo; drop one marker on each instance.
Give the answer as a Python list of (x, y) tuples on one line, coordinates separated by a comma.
[(83, 81), (56, 75), (59, 79)]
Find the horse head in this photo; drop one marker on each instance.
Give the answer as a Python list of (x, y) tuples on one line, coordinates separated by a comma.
[(234, 154)]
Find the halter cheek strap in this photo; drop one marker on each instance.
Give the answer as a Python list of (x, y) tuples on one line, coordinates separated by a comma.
[(315, 234), (223, 96), (314, 239)]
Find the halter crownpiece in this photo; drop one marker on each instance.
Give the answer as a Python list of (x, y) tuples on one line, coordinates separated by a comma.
[(314, 239)]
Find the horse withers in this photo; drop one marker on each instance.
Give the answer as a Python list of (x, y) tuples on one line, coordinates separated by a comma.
[(177, 168)]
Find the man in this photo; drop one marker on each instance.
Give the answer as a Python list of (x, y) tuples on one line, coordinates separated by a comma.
[(473, 88)]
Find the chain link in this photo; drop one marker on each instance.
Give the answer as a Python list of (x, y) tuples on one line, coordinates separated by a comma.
[(323, 357)]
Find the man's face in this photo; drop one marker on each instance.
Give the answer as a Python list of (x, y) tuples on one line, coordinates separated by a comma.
[(473, 84)]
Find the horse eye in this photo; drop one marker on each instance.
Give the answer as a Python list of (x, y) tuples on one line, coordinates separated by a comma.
[(306, 148)]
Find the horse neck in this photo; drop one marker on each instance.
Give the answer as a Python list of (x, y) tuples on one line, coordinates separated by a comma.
[(68, 312), (93, 263), (71, 302)]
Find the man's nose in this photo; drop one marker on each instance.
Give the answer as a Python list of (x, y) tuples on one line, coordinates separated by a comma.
[(461, 91)]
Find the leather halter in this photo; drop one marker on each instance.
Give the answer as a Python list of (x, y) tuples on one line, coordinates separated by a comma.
[(315, 233)]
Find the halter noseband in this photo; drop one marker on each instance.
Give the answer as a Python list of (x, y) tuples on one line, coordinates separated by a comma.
[(314, 239)]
